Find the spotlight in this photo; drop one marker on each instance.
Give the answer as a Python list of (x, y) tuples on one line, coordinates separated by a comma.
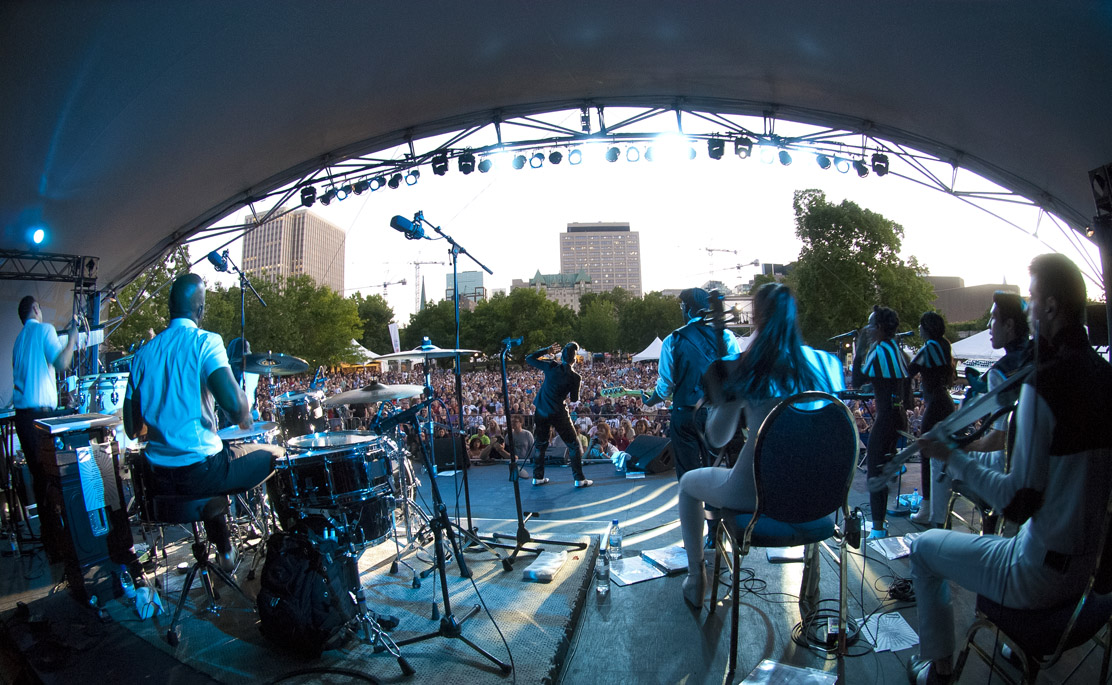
[(612, 154), (585, 120), (308, 196), (880, 164), (841, 164), (395, 181), (575, 156), (411, 177), (485, 165), (743, 147), (440, 164), (785, 157), (343, 192), (466, 163), (691, 153), (38, 236), (360, 187), (861, 168), (328, 196), (377, 183), (823, 161), (715, 148), (768, 153), (633, 154), (649, 154), (519, 161), (555, 157), (537, 160)]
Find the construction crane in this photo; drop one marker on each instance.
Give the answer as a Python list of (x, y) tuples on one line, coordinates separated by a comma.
[(387, 284), (710, 253), (417, 283)]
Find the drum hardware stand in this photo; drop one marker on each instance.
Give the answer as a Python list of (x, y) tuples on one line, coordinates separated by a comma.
[(450, 626), (522, 538), (367, 624), (222, 263)]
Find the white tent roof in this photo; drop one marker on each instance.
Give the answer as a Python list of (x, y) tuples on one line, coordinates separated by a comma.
[(977, 346), (366, 354), (743, 341), (650, 353)]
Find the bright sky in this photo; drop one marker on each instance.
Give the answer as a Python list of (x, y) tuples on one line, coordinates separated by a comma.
[(511, 219)]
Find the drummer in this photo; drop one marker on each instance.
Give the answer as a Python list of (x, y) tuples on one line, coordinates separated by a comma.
[(174, 380)]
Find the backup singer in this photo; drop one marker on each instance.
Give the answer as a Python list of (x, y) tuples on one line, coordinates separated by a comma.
[(879, 361), (561, 382), (1057, 488), (935, 363), (174, 380)]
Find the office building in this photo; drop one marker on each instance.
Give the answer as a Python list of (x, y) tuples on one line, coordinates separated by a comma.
[(294, 244), (471, 286), (609, 254)]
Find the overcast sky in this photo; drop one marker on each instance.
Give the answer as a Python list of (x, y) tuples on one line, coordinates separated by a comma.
[(511, 219)]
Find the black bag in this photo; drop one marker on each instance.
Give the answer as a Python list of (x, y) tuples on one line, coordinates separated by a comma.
[(304, 600)]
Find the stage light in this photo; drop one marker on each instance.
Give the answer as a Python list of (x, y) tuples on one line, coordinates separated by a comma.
[(519, 161), (612, 154), (537, 160), (328, 196), (841, 164), (38, 236), (360, 187), (633, 154), (715, 148), (343, 192), (555, 157), (585, 120), (649, 154), (440, 164), (785, 157), (377, 182), (485, 165), (690, 153), (412, 176), (743, 147), (466, 163), (768, 153), (395, 181), (861, 168), (823, 161), (880, 164), (308, 196), (575, 156)]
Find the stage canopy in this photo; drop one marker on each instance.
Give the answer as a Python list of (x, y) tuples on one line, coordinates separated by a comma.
[(650, 353)]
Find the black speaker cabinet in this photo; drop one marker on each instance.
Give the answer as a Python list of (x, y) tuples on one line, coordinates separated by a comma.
[(444, 454), (650, 453)]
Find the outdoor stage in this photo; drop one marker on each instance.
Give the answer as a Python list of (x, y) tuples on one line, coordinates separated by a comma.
[(559, 631)]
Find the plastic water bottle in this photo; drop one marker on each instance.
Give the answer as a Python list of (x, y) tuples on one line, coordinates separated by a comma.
[(127, 583), (615, 540), (602, 573), (916, 499)]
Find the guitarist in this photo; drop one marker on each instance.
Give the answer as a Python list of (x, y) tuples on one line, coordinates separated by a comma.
[(684, 357)]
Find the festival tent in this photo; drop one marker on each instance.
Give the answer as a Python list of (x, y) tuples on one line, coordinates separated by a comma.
[(363, 352), (977, 346), (650, 353)]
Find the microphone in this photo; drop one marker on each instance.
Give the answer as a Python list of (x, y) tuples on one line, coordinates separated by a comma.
[(904, 334), (513, 342), (218, 261), (847, 334), (412, 231)]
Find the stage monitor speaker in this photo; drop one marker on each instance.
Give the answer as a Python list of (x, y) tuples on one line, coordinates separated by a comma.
[(1096, 320), (556, 454), (444, 455), (650, 453)]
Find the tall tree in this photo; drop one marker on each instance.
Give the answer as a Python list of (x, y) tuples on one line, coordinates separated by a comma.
[(147, 298), (376, 314), (849, 262), (597, 329), (655, 315)]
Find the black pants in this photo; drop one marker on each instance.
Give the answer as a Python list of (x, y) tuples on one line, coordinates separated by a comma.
[(215, 476), (566, 431), (687, 444)]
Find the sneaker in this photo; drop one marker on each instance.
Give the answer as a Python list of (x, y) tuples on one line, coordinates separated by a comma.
[(540, 481), (227, 560), (925, 672), (923, 516), (584, 483)]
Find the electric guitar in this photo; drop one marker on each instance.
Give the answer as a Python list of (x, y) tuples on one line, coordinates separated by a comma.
[(724, 410), (619, 391)]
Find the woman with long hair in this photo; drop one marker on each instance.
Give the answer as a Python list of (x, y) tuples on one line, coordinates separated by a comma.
[(777, 364), (935, 363)]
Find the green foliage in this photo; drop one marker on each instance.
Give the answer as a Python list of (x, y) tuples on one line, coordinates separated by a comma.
[(376, 314), (849, 262), (152, 313), (597, 329), (656, 315), (437, 321), (759, 280), (301, 318)]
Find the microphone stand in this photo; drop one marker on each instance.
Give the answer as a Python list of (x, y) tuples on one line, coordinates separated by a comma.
[(455, 252), (522, 538), (243, 321)]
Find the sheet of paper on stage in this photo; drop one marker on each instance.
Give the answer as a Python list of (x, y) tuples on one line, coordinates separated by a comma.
[(633, 570)]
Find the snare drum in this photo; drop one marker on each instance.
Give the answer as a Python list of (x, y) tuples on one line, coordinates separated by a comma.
[(334, 469), (300, 413)]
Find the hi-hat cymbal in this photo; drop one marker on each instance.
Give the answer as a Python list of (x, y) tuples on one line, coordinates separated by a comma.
[(375, 392), (275, 364)]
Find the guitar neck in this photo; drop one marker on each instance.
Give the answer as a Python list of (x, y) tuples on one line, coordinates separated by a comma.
[(620, 392)]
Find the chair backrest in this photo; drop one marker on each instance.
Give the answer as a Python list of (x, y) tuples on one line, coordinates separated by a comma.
[(804, 458)]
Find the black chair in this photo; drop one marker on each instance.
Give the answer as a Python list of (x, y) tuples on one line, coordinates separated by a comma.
[(167, 510), (803, 466)]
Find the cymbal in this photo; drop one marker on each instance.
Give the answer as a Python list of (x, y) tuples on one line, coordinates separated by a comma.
[(375, 392), (275, 364), (428, 351)]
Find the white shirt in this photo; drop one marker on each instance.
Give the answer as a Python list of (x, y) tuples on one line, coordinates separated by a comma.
[(169, 375), (36, 349)]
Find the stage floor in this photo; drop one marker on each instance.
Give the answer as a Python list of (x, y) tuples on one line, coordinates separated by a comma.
[(560, 632)]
